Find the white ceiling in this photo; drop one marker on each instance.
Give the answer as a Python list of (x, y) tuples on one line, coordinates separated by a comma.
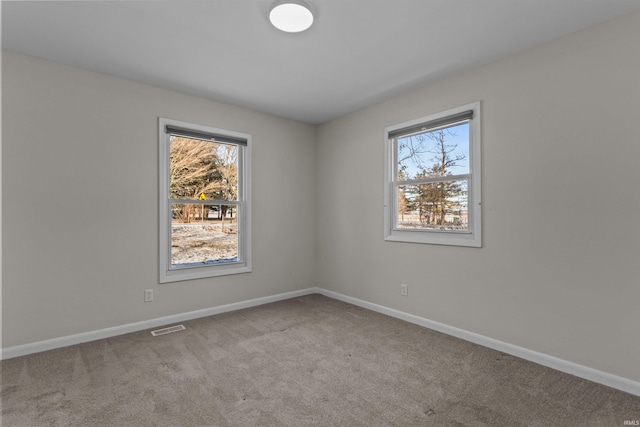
[(357, 53)]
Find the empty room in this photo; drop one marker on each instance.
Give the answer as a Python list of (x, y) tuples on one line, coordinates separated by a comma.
[(320, 213)]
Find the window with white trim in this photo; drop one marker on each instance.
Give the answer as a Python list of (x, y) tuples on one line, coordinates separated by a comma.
[(432, 179), (205, 212)]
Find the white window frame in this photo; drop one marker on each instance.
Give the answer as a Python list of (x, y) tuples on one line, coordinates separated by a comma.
[(243, 264), (473, 236)]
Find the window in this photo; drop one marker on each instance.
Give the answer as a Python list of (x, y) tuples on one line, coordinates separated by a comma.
[(205, 209), (432, 184)]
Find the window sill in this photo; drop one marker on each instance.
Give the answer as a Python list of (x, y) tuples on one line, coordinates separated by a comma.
[(435, 238), (191, 273)]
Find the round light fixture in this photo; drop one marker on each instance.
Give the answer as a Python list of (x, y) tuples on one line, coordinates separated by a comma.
[(291, 16)]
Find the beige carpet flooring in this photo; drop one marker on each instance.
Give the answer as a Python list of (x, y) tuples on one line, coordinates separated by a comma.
[(308, 361)]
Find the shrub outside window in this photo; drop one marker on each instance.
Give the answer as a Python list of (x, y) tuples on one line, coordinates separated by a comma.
[(433, 183)]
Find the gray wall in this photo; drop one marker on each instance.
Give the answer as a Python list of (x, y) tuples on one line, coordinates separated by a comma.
[(559, 272), (80, 193)]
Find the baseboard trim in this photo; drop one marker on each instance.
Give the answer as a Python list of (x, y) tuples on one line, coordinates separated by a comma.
[(610, 380), (36, 347)]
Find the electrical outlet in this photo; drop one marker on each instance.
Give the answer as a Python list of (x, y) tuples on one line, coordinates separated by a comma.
[(404, 290), (148, 295)]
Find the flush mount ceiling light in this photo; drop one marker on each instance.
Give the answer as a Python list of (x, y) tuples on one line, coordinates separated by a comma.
[(291, 16)]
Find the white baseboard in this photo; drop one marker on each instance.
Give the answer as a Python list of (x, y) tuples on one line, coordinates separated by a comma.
[(581, 371), (36, 347)]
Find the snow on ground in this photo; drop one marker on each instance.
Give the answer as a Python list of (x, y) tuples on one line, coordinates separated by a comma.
[(197, 243)]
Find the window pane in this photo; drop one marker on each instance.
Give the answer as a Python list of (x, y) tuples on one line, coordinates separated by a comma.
[(436, 153), (434, 206), (203, 234), (202, 169)]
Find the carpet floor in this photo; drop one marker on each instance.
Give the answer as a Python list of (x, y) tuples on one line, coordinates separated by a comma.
[(308, 361)]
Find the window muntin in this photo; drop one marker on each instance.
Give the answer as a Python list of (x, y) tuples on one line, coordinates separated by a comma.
[(204, 201), (432, 194)]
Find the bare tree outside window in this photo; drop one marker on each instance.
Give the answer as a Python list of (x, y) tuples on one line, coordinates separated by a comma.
[(439, 157)]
